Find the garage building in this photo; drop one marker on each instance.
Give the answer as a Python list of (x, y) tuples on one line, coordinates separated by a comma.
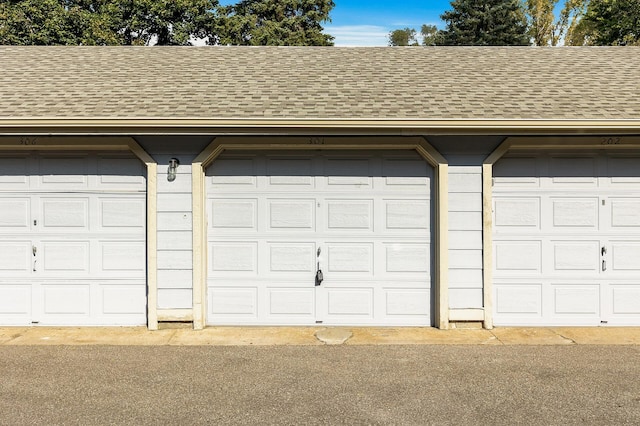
[(334, 186)]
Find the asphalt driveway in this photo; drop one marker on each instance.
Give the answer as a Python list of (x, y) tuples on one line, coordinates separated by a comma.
[(337, 385)]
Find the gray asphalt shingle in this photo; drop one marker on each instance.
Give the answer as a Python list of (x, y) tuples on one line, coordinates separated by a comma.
[(418, 83)]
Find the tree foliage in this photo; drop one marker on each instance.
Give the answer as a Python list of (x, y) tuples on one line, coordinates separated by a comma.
[(610, 22), (545, 29), (163, 22), (276, 22), (431, 35), (104, 22), (403, 37), (486, 23)]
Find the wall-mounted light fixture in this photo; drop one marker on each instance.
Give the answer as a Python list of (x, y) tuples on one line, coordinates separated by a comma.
[(173, 167)]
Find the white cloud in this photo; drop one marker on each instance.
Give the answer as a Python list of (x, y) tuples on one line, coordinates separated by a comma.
[(358, 35)]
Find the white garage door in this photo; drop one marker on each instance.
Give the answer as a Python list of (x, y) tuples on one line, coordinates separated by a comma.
[(363, 220), (567, 239), (72, 239)]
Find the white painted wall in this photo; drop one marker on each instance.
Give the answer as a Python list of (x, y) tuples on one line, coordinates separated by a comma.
[(465, 156), (465, 236), (175, 220)]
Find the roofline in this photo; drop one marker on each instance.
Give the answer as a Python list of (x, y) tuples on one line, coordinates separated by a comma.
[(114, 126)]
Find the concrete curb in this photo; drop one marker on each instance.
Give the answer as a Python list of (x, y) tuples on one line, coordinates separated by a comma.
[(271, 336)]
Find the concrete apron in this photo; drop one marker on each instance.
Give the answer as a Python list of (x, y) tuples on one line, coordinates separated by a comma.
[(265, 336)]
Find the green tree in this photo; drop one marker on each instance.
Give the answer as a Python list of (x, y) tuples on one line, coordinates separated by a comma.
[(106, 22), (276, 22), (403, 37), (35, 22), (610, 22), (431, 35), (486, 23), (545, 29)]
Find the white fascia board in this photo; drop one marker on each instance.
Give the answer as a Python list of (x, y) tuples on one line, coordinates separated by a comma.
[(252, 125)]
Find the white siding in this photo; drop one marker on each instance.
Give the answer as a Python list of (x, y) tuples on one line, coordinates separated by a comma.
[(465, 233), (175, 224), (175, 218)]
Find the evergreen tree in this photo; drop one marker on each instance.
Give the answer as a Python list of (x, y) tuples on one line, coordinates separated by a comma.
[(611, 22), (485, 23)]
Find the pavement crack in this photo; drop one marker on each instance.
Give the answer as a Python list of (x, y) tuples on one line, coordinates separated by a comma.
[(573, 342), (496, 337), (173, 334)]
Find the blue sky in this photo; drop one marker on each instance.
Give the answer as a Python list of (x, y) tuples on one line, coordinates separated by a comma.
[(368, 23)]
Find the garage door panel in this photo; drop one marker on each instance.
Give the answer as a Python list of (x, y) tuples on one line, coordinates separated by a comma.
[(125, 257), (15, 172), (15, 214), (15, 257), (519, 299), (348, 174), (406, 175), (407, 214), (232, 174), (625, 299), (117, 172), (625, 255), (407, 302), (575, 172), (521, 256), (292, 258), (15, 300), (63, 213), (234, 213), (623, 171), (350, 258), (238, 257), (625, 213), (574, 256), (576, 299), (350, 301), (291, 302), (291, 215), (65, 256), (74, 299), (121, 213), (290, 172), (517, 172), (575, 212), (516, 214), (123, 298), (238, 302), (64, 173), (405, 258), (349, 214)]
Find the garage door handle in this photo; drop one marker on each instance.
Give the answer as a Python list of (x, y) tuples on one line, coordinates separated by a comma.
[(604, 265), (34, 265), (319, 277)]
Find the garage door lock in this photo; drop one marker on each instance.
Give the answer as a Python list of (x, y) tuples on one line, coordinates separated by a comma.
[(319, 276)]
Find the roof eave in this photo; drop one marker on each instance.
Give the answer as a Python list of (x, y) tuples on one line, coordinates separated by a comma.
[(132, 126)]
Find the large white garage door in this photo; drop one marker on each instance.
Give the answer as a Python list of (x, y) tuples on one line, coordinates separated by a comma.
[(363, 220), (72, 239), (567, 239)]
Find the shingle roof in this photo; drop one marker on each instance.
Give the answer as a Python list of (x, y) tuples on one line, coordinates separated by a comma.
[(420, 83)]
